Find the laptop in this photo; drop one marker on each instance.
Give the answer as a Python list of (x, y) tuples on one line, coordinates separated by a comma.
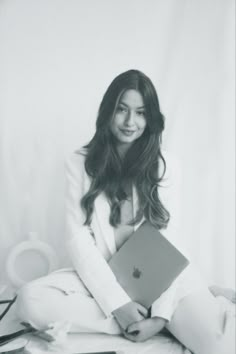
[(147, 264)]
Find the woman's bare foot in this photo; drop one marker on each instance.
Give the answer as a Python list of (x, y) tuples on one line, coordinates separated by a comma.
[(228, 293)]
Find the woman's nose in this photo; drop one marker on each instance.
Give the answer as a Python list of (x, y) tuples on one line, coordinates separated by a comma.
[(129, 118)]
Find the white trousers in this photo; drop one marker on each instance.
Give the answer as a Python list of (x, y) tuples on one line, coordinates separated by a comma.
[(199, 321)]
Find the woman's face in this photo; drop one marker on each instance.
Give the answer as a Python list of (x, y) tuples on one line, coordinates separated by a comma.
[(129, 121)]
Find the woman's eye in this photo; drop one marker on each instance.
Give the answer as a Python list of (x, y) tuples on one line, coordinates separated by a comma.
[(122, 109), (141, 113)]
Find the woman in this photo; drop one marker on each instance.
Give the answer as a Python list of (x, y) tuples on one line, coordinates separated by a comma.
[(114, 183)]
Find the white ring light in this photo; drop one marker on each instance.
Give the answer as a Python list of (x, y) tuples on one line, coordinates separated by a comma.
[(20, 260)]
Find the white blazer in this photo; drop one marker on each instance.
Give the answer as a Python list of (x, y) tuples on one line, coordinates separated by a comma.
[(90, 253)]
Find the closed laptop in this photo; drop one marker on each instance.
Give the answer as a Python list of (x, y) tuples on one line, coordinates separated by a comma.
[(147, 264)]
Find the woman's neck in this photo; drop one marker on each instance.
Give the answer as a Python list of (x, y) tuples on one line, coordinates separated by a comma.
[(122, 149)]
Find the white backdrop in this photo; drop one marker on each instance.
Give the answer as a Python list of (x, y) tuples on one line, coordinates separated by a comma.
[(58, 57)]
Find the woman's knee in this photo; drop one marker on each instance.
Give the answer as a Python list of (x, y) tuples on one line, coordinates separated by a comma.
[(198, 323)]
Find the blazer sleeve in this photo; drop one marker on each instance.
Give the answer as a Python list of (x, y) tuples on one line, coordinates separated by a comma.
[(87, 259)]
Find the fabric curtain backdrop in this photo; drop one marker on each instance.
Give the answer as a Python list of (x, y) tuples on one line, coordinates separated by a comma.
[(58, 57)]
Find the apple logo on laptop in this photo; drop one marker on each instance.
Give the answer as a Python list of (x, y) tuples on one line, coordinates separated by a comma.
[(137, 273)]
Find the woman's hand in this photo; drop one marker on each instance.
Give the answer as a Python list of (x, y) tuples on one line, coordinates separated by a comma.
[(145, 329), (130, 313)]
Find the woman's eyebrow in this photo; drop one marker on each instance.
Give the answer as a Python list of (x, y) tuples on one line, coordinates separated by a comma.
[(124, 104)]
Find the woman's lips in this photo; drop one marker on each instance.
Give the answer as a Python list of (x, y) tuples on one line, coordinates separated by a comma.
[(127, 132)]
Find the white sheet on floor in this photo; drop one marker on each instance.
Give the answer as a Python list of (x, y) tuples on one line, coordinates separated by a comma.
[(84, 343)]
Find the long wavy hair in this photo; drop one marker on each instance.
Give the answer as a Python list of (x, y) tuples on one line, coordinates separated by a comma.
[(140, 166)]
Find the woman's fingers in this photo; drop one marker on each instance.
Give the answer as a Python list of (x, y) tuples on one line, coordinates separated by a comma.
[(145, 329), (131, 337), (142, 310), (133, 328), (129, 313)]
